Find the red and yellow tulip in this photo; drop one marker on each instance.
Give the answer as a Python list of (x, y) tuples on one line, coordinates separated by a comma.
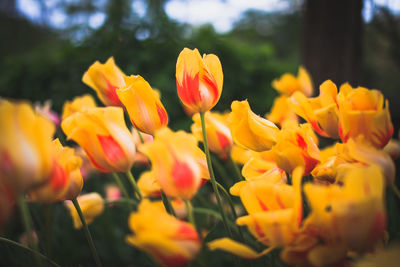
[(102, 133), (281, 112), (171, 242), (199, 80), (143, 104), (105, 79)]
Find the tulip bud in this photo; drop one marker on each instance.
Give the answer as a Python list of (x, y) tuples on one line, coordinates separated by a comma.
[(92, 206)]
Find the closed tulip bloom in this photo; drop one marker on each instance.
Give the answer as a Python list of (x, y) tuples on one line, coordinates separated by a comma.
[(296, 146), (177, 162), (352, 214), (66, 167), (171, 242), (105, 79), (148, 184), (92, 206), (102, 133), (363, 111), (218, 133), (281, 112), (25, 146), (262, 164), (78, 104), (287, 84), (198, 80), (321, 112), (249, 130), (143, 104)]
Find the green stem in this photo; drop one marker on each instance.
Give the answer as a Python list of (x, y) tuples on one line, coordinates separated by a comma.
[(221, 171), (38, 254), (227, 196), (396, 190), (87, 233), (120, 184), (134, 185), (167, 204), (140, 136), (189, 210), (212, 177), (27, 220), (235, 167)]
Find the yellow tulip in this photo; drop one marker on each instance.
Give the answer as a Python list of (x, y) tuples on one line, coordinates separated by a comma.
[(79, 103), (25, 145), (296, 145), (364, 112), (177, 162), (199, 80), (262, 164), (321, 112), (353, 214), (102, 133), (281, 112), (241, 155), (143, 104), (218, 133), (287, 84), (105, 79), (148, 184), (92, 206), (169, 241), (66, 167), (249, 130)]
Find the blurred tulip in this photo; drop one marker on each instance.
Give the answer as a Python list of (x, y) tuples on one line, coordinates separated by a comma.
[(102, 133), (218, 133), (148, 184), (45, 111), (296, 145), (393, 148), (105, 79), (241, 155), (66, 167), (23, 239), (353, 214), (364, 112), (177, 162), (198, 80), (78, 104), (92, 206), (143, 104), (112, 192), (25, 146), (281, 112), (171, 242), (249, 130), (287, 84), (321, 112), (261, 165)]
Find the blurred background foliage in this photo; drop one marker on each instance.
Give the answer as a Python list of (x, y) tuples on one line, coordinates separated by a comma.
[(40, 62)]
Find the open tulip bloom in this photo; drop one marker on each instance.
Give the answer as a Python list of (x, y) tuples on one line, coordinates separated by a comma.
[(318, 205)]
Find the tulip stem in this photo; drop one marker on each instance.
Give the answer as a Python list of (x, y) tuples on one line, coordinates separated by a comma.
[(396, 190), (27, 220), (87, 233), (167, 204), (38, 254), (212, 177), (120, 184), (140, 135), (235, 167), (189, 210), (134, 185)]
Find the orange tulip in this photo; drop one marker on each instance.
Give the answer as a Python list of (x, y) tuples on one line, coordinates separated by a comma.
[(102, 133), (171, 242), (281, 112), (296, 145), (25, 146), (143, 104), (218, 133), (198, 80), (105, 79), (177, 162), (364, 112)]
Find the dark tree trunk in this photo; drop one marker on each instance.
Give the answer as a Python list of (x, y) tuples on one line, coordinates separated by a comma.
[(332, 32)]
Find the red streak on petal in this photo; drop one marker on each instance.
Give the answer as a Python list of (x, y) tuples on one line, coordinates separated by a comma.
[(188, 91), (112, 150), (95, 163), (162, 114), (111, 93), (279, 201), (182, 175), (186, 232), (341, 134), (58, 178), (223, 141), (318, 129), (262, 205), (301, 142), (211, 85), (310, 164), (259, 231)]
